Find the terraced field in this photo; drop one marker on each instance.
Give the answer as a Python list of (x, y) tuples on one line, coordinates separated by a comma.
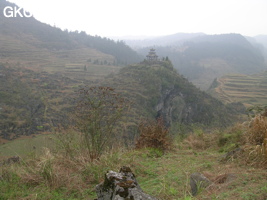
[(250, 90)]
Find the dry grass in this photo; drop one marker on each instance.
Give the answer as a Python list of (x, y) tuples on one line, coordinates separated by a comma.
[(257, 131), (70, 171), (201, 141), (166, 177), (256, 141), (195, 142), (251, 138), (56, 171)]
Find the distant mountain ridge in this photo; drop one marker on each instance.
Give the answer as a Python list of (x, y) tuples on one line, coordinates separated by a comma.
[(262, 39), (168, 40)]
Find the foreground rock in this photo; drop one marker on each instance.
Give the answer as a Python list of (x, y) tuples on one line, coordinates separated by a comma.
[(198, 181), (232, 155), (121, 186)]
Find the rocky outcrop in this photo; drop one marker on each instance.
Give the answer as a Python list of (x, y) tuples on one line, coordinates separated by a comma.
[(10, 160), (198, 181), (237, 152), (180, 102), (170, 106), (121, 186)]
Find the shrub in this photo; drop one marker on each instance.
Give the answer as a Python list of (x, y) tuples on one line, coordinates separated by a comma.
[(153, 134), (97, 114), (69, 141)]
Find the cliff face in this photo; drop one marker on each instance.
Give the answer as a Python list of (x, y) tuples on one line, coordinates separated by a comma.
[(158, 90), (184, 106), (171, 105)]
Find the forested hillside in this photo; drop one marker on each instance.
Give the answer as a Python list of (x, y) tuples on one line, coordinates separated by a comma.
[(26, 35)]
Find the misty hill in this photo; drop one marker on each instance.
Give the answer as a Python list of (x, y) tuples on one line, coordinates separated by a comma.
[(203, 58), (262, 39), (168, 40), (24, 38), (156, 89)]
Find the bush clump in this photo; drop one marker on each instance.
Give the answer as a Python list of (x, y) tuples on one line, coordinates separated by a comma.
[(154, 134)]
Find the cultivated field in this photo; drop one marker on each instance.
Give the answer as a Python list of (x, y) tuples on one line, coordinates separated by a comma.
[(250, 90)]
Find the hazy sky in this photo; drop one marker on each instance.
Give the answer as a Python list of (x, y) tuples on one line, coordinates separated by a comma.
[(152, 17)]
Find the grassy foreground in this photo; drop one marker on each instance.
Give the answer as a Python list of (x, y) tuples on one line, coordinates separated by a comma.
[(26, 146), (68, 173)]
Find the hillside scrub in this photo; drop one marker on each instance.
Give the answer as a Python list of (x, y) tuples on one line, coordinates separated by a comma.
[(251, 138), (69, 173), (156, 89), (56, 176)]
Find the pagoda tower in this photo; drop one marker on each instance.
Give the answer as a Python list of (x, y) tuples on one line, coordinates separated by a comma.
[(152, 56)]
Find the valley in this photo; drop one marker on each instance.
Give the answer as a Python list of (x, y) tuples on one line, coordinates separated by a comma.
[(202, 58)]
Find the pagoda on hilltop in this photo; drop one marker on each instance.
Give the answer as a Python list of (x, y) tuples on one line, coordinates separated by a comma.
[(152, 56)]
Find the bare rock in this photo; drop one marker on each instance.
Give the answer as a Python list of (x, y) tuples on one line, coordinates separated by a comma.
[(197, 181), (10, 160), (232, 155), (225, 178), (13, 159), (121, 186)]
